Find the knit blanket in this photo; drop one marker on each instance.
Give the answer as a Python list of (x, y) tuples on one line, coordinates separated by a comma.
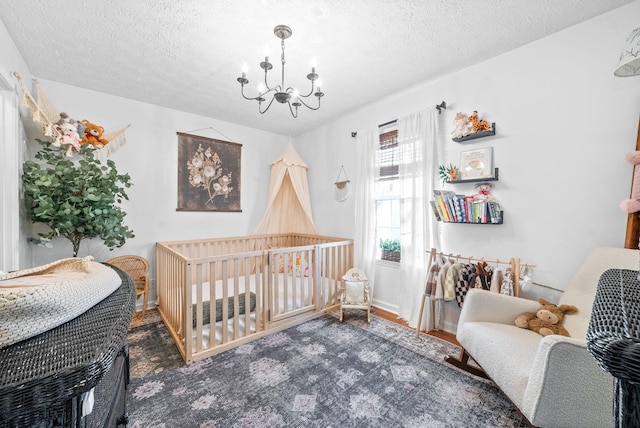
[(35, 300), (206, 308)]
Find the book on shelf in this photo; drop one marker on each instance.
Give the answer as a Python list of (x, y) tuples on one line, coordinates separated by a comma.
[(455, 208), (459, 203), (444, 211), (436, 210)]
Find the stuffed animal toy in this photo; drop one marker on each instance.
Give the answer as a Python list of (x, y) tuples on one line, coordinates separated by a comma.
[(478, 125), (462, 127), (548, 319), (67, 137), (93, 135), (64, 118), (632, 204), (483, 192)]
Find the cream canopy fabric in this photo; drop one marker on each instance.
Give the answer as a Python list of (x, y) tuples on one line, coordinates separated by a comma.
[(288, 203)]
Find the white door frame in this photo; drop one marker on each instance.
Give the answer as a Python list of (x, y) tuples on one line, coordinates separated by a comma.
[(10, 170)]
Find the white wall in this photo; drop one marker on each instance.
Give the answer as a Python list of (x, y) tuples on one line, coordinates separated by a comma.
[(150, 158), (564, 125)]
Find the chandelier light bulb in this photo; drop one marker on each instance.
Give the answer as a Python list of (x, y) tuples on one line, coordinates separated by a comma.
[(280, 92)]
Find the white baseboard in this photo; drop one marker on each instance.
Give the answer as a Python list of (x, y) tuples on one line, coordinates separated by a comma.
[(385, 306)]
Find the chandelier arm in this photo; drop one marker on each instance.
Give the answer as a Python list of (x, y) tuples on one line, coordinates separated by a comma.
[(311, 92), (246, 97), (292, 90), (295, 115), (266, 84), (308, 95), (268, 105), (308, 106)]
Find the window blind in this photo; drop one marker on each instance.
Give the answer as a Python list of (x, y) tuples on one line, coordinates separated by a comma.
[(388, 155)]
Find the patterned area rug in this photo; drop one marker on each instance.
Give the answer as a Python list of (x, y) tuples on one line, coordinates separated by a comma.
[(322, 373)]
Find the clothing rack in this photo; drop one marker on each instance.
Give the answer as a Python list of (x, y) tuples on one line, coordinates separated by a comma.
[(514, 262)]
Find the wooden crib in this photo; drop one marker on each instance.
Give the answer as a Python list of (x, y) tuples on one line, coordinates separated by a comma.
[(268, 282)]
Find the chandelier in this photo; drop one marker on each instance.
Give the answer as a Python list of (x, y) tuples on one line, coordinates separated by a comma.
[(289, 96)]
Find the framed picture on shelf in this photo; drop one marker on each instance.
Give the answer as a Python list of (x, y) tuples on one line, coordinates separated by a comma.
[(476, 163)]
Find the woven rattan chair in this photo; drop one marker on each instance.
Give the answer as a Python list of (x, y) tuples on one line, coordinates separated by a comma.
[(138, 269)]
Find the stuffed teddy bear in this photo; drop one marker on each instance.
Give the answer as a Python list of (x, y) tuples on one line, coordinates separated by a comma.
[(632, 204), (93, 135), (483, 192), (547, 320), (462, 127)]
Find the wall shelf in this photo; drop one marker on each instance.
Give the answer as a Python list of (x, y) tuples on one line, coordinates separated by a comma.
[(477, 180), (475, 135), (471, 222)]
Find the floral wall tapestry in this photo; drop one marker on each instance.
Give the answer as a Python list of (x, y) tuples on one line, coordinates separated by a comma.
[(208, 174)]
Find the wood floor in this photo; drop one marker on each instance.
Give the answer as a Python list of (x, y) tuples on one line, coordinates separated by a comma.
[(390, 316)]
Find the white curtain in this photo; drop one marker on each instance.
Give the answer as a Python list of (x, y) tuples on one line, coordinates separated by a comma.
[(367, 143), (417, 140)]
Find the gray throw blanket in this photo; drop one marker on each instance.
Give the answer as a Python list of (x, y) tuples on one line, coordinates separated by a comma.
[(206, 319)]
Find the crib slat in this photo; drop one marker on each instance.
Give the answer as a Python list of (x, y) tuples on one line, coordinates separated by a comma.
[(198, 295)]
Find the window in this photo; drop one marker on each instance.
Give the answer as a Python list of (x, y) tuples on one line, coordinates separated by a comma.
[(388, 194)]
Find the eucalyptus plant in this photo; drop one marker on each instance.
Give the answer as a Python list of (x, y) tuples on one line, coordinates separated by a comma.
[(390, 245), (76, 199)]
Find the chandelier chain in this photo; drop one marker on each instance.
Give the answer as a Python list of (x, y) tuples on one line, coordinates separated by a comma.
[(282, 60)]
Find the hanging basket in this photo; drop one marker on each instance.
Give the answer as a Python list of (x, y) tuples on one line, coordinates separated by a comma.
[(342, 186)]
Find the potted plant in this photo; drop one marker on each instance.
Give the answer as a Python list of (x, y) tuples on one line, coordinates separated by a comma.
[(76, 199), (448, 173), (390, 250)]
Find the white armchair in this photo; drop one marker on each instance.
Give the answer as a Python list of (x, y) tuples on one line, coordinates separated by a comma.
[(553, 380)]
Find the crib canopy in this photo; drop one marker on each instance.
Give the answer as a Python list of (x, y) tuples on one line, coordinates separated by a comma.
[(288, 203)]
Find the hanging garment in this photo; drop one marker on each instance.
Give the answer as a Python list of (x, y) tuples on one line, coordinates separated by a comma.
[(466, 280), (525, 282), (484, 273), (507, 282), (451, 279), (432, 275), (496, 280), (439, 294)]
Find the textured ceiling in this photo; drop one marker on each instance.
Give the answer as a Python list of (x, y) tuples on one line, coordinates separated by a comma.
[(187, 54)]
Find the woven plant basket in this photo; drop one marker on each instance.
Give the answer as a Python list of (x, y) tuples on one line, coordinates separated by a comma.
[(390, 255)]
